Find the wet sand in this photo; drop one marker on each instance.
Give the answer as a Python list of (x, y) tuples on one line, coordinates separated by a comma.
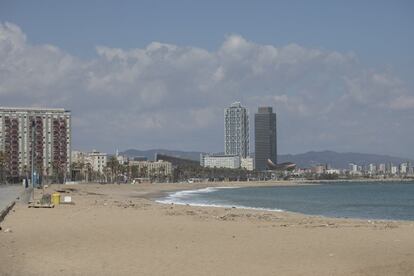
[(118, 230)]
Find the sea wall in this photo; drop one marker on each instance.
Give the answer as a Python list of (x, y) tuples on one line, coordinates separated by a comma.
[(5, 211)]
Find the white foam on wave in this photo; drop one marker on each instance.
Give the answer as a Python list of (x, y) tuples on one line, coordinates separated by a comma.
[(178, 197), (182, 198)]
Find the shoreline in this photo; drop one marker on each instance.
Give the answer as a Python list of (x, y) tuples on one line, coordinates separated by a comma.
[(165, 198)]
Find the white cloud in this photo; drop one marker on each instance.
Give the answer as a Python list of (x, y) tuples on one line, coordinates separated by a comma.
[(171, 96), (403, 102)]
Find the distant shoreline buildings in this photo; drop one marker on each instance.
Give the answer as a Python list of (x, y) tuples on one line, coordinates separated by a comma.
[(44, 136), (382, 169)]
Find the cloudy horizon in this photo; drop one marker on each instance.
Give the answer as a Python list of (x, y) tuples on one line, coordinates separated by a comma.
[(172, 96)]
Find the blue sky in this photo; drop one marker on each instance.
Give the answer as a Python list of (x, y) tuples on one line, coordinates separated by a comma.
[(380, 32), (368, 43)]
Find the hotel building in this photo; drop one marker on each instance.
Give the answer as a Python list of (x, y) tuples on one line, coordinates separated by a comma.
[(236, 130), (220, 161)]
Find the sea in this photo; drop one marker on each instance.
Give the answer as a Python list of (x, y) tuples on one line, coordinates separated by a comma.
[(361, 200), (8, 193)]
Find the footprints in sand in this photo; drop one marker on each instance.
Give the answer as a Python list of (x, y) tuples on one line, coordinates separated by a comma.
[(272, 219)]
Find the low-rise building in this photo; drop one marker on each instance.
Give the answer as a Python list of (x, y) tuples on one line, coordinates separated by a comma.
[(318, 169), (122, 159), (151, 168), (381, 168), (247, 163), (97, 160), (410, 170), (403, 168), (353, 168), (220, 161), (372, 168), (333, 171)]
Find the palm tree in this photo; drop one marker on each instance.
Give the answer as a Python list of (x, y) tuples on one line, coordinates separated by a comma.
[(88, 170), (134, 171), (152, 173), (144, 171), (114, 166)]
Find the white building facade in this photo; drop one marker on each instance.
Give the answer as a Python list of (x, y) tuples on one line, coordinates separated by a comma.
[(151, 168), (247, 163), (403, 168), (97, 160), (220, 161)]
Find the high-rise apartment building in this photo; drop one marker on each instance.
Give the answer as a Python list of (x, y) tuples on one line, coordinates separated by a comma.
[(52, 141), (265, 137), (236, 130)]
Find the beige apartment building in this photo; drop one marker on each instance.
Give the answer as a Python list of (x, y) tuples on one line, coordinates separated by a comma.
[(51, 128), (151, 168), (97, 160)]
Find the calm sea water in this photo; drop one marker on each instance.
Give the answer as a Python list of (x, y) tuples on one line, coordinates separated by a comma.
[(8, 194), (369, 200)]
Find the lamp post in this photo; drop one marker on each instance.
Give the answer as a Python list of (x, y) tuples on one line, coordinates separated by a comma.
[(33, 157), (33, 153)]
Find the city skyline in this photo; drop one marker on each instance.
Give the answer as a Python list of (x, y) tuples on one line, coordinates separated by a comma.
[(159, 90)]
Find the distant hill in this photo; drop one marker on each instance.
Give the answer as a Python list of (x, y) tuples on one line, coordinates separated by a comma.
[(338, 160), (150, 154), (303, 160)]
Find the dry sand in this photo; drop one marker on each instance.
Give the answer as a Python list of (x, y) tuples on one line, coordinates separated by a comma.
[(117, 230)]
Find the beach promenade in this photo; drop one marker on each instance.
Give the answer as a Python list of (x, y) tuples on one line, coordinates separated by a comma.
[(8, 193), (119, 230)]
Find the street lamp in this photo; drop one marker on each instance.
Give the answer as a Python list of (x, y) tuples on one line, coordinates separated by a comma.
[(33, 153)]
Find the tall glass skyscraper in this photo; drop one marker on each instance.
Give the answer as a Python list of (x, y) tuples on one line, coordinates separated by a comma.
[(236, 130), (265, 137)]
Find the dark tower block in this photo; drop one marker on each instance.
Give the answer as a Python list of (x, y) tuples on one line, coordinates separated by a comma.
[(265, 137)]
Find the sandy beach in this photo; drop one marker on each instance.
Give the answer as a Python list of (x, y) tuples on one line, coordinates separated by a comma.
[(120, 230)]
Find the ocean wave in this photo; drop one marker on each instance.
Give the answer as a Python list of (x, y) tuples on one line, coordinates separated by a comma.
[(185, 198), (188, 193), (178, 197)]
